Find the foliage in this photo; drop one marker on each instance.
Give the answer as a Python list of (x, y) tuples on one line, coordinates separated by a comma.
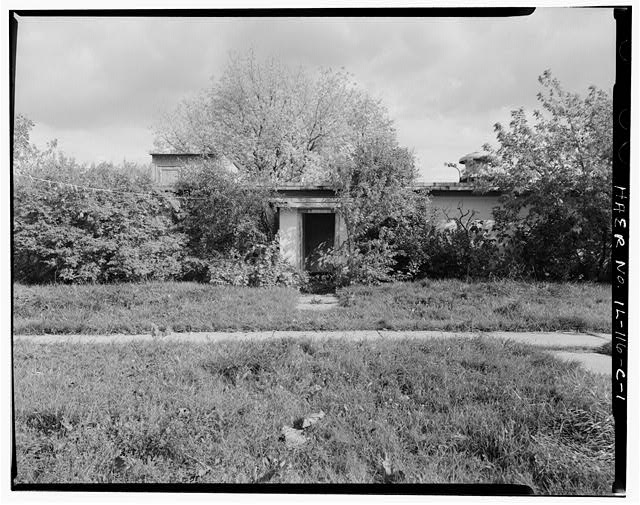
[(276, 122), (221, 212), (263, 266), (377, 202), (221, 231), (281, 124), (231, 227), (23, 150), (466, 248), (556, 177), (64, 232)]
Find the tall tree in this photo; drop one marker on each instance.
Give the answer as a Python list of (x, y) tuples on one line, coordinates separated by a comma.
[(555, 171), (284, 124), (22, 147), (277, 122)]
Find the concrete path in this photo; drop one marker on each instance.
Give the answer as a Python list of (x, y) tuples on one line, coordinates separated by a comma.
[(317, 302), (554, 340), (594, 362), (561, 345)]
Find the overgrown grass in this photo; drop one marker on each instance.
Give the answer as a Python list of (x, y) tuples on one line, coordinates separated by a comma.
[(426, 305), (463, 411), (606, 348), (485, 306)]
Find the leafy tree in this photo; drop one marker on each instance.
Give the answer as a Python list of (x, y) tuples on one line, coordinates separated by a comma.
[(22, 147), (283, 124), (378, 204), (277, 122), (555, 172)]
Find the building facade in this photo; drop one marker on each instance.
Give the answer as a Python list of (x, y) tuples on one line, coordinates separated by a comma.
[(309, 219)]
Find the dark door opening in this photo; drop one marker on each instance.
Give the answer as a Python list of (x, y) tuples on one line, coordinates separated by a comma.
[(318, 230)]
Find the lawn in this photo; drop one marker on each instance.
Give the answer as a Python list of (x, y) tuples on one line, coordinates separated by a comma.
[(442, 411), (425, 305)]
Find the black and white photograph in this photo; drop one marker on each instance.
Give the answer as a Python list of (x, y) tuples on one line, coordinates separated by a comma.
[(320, 251)]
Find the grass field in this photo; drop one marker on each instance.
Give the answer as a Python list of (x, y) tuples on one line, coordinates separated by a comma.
[(472, 411), (426, 305)]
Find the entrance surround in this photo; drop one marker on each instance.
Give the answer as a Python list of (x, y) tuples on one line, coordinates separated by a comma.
[(293, 202)]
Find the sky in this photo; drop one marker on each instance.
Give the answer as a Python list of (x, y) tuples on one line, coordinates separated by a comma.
[(98, 85)]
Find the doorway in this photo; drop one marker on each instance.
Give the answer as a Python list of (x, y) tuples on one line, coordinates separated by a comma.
[(318, 232)]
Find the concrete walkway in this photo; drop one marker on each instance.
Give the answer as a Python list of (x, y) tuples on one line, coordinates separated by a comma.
[(317, 302), (594, 362), (565, 346), (540, 339)]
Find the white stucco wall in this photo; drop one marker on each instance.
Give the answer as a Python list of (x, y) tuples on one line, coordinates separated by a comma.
[(290, 219), (289, 233), (482, 204), (167, 176)]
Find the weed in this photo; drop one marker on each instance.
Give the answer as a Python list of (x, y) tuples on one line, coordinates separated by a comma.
[(455, 410), (450, 305), (605, 348), (47, 423), (510, 309)]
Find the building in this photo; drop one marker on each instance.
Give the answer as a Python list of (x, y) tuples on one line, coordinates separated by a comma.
[(308, 220), (166, 166), (309, 215), (471, 161)]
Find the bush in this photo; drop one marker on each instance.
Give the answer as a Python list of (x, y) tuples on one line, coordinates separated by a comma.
[(262, 265), (221, 212), (555, 247), (462, 252), (194, 270), (370, 262), (67, 233)]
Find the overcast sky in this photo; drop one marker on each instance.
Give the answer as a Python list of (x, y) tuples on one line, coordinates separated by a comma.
[(97, 85)]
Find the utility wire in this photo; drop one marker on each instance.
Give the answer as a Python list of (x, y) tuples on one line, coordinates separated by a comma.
[(104, 190)]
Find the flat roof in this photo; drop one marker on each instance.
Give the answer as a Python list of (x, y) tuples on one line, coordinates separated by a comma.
[(303, 187), (431, 186), (180, 154)]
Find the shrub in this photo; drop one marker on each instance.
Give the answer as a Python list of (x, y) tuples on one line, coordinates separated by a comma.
[(555, 247), (463, 252), (64, 232), (194, 269), (370, 262), (221, 212), (261, 266)]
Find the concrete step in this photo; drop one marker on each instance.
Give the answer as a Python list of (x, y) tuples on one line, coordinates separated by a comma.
[(317, 302)]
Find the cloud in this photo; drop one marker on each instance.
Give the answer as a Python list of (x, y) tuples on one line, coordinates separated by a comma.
[(93, 73), (94, 145), (446, 139), (99, 84)]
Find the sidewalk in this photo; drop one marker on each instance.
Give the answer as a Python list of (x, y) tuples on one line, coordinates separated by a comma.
[(565, 346), (541, 339)]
